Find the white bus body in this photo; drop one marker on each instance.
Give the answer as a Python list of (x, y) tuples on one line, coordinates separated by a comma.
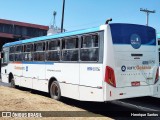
[(158, 87), (113, 61)]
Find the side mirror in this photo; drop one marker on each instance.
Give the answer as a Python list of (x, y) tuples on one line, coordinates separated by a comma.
[(2, 55)]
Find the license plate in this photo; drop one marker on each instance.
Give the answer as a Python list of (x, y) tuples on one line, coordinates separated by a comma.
[(136, 83)]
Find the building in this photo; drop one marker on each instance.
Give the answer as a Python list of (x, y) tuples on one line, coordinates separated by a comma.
[(13, 30)]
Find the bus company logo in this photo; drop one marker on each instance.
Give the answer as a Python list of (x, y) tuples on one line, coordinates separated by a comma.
[(135, 41), (19, 68), (123, 68), (138, 67)]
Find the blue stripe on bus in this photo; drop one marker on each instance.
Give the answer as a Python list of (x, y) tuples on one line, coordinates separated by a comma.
[(65, 34), (46, 63), (12, 43)]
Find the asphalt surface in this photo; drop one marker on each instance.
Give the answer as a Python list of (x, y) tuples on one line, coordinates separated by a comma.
[(4, 84)]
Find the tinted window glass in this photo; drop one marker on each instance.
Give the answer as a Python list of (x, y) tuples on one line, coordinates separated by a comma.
[(70, 49), (18, 57), (11, 50), (53, 56), (39, 56), (54, 45), (122, 33), (11, 57), (90, 41), (28, 48), (70, 43), (70, 55), (27, 57), (18, 49), (89, 48), (89, 54), (39, 46)]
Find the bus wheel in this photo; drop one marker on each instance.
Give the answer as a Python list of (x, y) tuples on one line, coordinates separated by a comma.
[(13, 83), (55, 91)]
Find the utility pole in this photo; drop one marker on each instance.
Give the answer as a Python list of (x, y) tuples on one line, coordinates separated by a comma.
[(62, 16), (148, 12)]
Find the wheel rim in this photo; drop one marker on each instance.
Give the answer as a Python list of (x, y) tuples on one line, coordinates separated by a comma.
[(12, 83), (55, 90)]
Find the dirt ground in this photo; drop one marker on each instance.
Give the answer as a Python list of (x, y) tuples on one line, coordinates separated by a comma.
[(17, 100)]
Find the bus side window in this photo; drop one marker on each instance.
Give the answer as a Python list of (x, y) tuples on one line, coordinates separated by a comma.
[(18, 53), (70, 49), (5, 57), (39, 46), (39, 51), (53, 53), (89, 48), (159, 56), (54, 45), (28, 52), (11, 53)]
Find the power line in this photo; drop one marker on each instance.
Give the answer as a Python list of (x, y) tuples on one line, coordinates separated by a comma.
[(148, 12)]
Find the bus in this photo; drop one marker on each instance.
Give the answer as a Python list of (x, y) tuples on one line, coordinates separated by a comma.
[(109, 62), (158, 39)]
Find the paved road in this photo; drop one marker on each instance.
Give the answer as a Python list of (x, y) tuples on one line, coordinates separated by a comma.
[(4, 84)]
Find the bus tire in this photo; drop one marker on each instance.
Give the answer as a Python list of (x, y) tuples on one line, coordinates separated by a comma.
[(55, 91), (13, 83)]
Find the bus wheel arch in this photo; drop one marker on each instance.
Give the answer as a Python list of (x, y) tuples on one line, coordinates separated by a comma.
[(11, 80), (10, 77), (54, 89)]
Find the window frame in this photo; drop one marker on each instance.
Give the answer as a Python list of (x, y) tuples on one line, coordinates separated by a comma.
[(43, 51), (12, 53), (81, 48), (64, 49), (31, 51), (48, 50), (6, 54), (18, 52)]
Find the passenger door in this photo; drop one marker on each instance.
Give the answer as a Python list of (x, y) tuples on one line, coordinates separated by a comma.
[(90, 69), (28, 69), (69, 67), (4, 65)]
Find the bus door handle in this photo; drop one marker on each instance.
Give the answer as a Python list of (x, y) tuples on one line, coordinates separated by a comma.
[(34, 78)]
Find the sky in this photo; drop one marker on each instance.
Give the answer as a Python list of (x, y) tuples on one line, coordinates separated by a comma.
[(81, 14)]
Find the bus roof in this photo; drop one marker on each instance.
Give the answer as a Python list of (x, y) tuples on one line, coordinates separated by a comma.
[(65, 34), (59, 35)]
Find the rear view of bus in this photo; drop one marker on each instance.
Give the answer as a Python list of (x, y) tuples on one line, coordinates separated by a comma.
[(132, 62)]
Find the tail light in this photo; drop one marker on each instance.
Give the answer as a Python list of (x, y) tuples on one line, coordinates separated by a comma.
[(157, 76), (110, 77)]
